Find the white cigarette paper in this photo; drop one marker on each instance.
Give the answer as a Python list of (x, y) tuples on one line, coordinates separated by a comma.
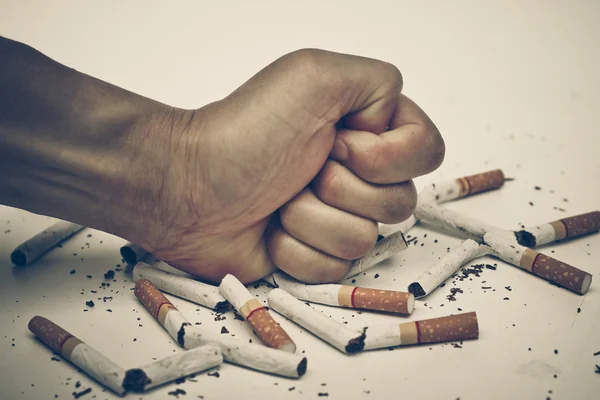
[(384, 249), (453, 221), (170, 368), (446, 266), (132, 253), (43, 242), (345, 296), (267, 329), (181, 286), (338, 335), (234, 351)]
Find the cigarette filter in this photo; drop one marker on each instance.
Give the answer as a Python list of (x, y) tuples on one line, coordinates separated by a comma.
[(181, 286), (338, 335), (346, 296), (43, 242), (441, 192), (444, 329), (267, 329), (234, 351)]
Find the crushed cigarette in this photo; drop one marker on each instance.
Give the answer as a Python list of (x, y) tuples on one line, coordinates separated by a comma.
[(385, 248), (181, 286), (346, 296), (566, 228), (338, 335), (234, 351), (267, 329), (443, 329)]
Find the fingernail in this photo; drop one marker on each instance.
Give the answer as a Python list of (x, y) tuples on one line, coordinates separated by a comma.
[(340, 151)]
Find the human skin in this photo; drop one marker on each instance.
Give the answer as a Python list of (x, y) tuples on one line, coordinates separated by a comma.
[(292, 170)]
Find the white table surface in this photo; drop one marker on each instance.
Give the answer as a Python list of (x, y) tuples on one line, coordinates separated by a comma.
[(510, 84)]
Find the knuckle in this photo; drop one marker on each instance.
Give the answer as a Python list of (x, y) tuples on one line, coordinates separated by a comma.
[(401, 203), (333, 271), (327, 185), (392, 74), (435, 146), (363, 239)]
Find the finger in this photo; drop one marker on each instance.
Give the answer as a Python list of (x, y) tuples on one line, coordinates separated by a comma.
[(413, 147), (328, 229), (302, 261), (338, 187)]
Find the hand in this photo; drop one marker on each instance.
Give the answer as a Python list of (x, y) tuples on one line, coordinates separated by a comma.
[(217, 176)]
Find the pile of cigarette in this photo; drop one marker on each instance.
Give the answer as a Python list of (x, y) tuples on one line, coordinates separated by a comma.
[(291, 298)]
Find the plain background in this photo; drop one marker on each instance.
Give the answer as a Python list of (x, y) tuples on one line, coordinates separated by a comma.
[(510, 84)]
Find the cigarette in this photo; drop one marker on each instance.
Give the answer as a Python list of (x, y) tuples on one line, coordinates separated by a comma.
[(443, 329), (43, 242), (234, 351), (181, 286), (453, 221), (132, 253), (446, 266), (336, 334), (110, 374), (171, 368), (566, 228), (346, 296), (267, 329), (80, 354), (555, 271), (384, 249), (465, 186)]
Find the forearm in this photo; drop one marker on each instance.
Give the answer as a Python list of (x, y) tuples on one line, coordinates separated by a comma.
[(65, 142)]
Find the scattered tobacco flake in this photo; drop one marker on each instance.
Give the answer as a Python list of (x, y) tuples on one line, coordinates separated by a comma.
[(508, 288), (109, 310), (90, 303), (323, 394), (537, 188), (529, 349), (376, 276), (216, 374), (224, 330), (486, 287), (292, 388), (55, 359), (353, 281), (578, 310), (110, 274), (506, 298), (489, 266), (597, 353), (77, 395), (456, 346), (598, 369), (72, 272), (77, 384), (531, 203), (555, 351), (177, 392)]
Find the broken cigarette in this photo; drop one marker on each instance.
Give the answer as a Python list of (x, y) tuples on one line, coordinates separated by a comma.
[(181, 286), (43, 242), (171, 368), (267, 329), (446, 266), (82, 355), (234, 351), (385, 248), (444, 329), (506, 247), (444, 191), (132, 253), (346, 296), (336, 334), (110, 374), (453, 221), (565, 228)]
